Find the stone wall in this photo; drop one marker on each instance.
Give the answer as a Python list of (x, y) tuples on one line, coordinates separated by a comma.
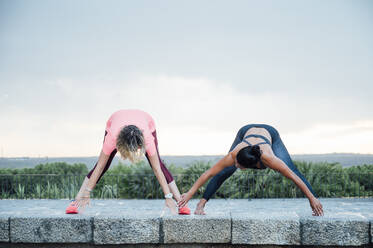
[(228, 223)]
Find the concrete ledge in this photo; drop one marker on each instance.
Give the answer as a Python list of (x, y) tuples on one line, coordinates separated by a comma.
[(345, 230), (197, 229), (228, 223), (261, 228), (70, 229), (126, 230), (369, 216), (4, 229), (74, 245)]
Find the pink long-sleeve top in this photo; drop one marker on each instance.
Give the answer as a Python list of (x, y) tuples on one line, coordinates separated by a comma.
[(126, 117)]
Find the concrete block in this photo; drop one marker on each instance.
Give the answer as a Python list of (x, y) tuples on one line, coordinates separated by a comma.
[(212, 228), (262, 228), (64, 229), (4, 229), (369, 216), (126, 229), (347, 229)]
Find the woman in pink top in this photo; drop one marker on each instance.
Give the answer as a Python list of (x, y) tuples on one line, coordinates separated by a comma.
[(132, 133)]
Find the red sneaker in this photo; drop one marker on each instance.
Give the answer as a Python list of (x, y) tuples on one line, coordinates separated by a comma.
[(184, 210), (72, 209)]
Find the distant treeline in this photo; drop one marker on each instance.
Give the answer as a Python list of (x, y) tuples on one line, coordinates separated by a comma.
[(60, 180), (345, 159)]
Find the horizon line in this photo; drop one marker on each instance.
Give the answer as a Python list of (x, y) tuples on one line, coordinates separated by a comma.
[(206, 155)]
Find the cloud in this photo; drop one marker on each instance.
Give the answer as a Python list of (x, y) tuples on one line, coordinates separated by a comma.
[(356, 137), (66, 117)]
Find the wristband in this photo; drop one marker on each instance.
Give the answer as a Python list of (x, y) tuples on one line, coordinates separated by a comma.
[(169, 196), (88, 189)]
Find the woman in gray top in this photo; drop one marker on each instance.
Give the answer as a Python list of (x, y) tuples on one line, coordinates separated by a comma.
[(256, 146)]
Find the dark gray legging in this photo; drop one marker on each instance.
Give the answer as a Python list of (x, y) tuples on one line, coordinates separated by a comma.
[(278, 148)]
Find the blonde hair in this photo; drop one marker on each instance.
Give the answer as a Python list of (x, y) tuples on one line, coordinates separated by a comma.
[(130, 143)]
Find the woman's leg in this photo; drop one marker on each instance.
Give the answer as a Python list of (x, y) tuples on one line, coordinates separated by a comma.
[(282, 153), (86, 179), (219, 178), (167, 174), (217, 181), (112, 155)]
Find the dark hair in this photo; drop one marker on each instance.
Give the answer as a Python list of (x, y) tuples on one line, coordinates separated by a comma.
[(131, 138), (249, 156)]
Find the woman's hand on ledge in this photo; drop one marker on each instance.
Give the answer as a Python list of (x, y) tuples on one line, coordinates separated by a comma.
[(170, 203), (184, 199), (316, 207), (82, 202)]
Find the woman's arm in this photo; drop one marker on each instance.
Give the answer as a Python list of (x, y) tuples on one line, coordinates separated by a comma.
[(154, 161), (219, 166), (83, 200), (277, 164), (101, 163)]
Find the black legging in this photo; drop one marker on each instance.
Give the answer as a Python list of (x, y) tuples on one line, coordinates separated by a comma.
[(278, 148)]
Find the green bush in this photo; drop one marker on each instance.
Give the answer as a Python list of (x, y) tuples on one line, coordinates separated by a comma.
[(62, 180)]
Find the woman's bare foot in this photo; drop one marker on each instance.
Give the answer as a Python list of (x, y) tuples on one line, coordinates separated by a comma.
[(200, 207)]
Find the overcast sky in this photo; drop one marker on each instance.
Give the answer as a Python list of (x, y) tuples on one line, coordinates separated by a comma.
[(202, 69)]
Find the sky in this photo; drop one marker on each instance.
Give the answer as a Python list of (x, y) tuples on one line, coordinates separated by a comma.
[(202, 69)]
